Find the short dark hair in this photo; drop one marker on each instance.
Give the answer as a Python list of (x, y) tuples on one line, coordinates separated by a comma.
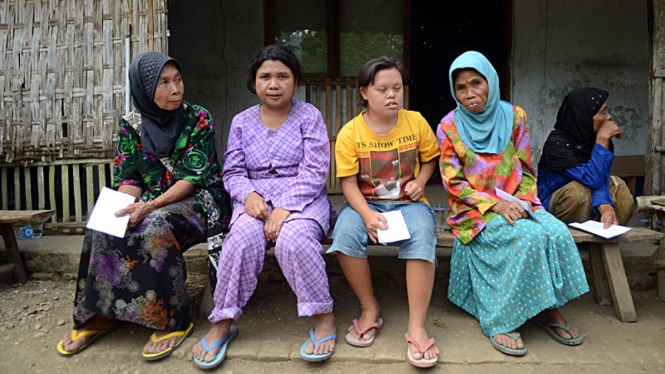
[(273, 53), (369, 70)]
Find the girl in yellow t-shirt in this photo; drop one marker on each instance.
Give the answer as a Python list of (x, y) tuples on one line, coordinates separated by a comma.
[(384, 158)]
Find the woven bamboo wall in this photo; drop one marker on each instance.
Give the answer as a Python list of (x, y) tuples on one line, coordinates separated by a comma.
[(62, 73)]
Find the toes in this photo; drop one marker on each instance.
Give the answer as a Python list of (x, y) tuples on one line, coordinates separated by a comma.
[(564, 334), (211, 355), (310, 348)]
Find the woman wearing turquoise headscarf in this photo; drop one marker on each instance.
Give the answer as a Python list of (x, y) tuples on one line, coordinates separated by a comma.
[(508, 265)]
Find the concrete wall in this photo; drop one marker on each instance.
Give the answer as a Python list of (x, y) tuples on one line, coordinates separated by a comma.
[(214, 42), (560, 45)]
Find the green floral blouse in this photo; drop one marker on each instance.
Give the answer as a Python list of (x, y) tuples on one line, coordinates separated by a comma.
[(194, 159)]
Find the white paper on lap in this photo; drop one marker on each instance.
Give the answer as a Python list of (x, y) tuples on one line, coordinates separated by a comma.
[(505, 196), (396, 230), (103, 217)]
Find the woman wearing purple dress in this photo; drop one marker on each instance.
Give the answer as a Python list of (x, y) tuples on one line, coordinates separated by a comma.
[(275, 170)]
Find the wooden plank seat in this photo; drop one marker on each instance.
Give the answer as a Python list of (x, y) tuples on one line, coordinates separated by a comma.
[(609, 283), (7, 219), (609, 276)]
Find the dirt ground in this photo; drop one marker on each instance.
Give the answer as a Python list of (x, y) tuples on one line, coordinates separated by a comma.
[(35, 316)]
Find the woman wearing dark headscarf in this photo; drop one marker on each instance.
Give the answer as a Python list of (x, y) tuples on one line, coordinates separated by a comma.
[(505, 268), (574, 180), (166, 159)]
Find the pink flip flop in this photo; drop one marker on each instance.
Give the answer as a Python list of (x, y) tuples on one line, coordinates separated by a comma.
[(422, 363), (360, 342)]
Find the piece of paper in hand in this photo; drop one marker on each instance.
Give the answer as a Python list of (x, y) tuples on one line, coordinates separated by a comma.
[(503, 195), (103, 217), (596, 228), (396, 230)]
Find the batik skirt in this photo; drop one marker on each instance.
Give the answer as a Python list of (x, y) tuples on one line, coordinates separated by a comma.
[(141, 278)]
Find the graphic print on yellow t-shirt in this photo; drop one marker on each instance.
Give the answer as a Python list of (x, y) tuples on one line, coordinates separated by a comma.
[(385, 164), (384, 174)]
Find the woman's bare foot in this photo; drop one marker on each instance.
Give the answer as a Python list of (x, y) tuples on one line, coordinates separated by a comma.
[(419, 333), (218, 331), (156, 347), (97, 322), (369, 316), (324, 325), (555, 316), (509, 342)]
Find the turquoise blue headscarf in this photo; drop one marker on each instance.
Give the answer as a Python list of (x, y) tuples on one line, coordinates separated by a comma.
[(490, 130)]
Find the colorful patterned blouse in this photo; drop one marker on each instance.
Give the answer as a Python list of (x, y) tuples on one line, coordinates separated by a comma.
[(470, 178), (194, 159)]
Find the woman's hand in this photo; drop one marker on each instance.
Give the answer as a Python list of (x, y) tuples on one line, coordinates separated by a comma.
[(510, 211), (274, 223), (414, 190), (607, 215), (137, 212), (255, 206), (374, 221), (530, 204), (610, 129)]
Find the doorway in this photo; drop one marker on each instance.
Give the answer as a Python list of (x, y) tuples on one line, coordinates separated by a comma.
[(442, 30)]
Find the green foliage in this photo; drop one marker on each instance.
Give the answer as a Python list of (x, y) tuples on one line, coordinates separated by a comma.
[(356, 49), (311, 47)]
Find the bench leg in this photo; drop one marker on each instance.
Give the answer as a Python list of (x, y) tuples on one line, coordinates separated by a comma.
[(12, 252), (602, 294), (616, 274)]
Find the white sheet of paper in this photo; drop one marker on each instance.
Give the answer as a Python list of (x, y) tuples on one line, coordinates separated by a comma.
[(596, 228), (103, 217), (503, 195), (396, 230)]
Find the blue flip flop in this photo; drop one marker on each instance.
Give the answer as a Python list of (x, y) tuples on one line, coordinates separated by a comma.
[(224, 343), (313, 357), (550, 328)]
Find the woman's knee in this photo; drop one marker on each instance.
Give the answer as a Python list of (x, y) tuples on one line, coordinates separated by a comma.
[(246, 233), (296, 236)]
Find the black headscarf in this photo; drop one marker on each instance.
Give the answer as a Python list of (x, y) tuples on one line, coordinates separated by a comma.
[(572, 141), (159, 128)]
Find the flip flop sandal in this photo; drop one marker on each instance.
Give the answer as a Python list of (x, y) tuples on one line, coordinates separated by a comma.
[(96, 335), (506, 350), (360, 342), (314, 357), (550, 328), (221, 354), (422, 363), (183, 335)]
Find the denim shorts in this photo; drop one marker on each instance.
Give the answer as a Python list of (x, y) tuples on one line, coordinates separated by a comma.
[(350, 234)]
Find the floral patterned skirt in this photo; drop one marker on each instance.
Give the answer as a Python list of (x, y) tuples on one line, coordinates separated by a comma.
[(141, 277)]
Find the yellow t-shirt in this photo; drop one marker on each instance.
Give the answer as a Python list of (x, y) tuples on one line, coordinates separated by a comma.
[(385, 163)]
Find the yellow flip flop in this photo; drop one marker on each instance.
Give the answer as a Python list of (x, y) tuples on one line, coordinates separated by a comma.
[(168, 351), (96, 335)]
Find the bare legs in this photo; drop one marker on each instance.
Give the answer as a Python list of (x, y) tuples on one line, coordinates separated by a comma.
[(419, 279)]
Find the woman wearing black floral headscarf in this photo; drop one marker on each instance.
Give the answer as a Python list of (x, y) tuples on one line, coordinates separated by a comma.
[(574, 182), (166, 159)]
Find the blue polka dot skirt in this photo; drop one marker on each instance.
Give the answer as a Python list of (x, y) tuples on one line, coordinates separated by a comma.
[(508, 274)]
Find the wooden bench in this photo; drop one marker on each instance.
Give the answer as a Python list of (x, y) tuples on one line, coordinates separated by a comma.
[(610, 284), (7, 218)]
